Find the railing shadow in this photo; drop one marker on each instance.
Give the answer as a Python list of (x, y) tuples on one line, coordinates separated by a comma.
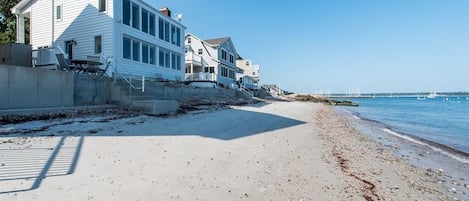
[(25, 169)]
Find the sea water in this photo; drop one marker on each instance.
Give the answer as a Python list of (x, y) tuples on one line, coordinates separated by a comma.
[(441, 120), (430, 133)]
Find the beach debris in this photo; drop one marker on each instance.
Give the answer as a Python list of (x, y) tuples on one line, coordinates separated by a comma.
[(439, 172), (319, 99)]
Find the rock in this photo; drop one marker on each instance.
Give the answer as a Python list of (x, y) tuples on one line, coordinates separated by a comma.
[(93, 131)]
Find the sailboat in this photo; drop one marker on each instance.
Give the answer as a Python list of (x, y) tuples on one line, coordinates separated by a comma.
[(432, 95)]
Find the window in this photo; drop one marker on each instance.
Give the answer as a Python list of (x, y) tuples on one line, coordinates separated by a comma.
[(178, 62), (98, 45), (223, 54), (173, 35), (231, 74), (166, 31), (231, 58), (189, 40), (126, 12), (135, 50), (224, 72), (126, 51), (199, 51), (145, 57), (173, 60), (253, 73), (135, 16), (166, 59), (161, 57), (178, 36), (144, 20), (102, 5), (58, 12), (152, 55), (247, 63), (161, 28), (152, 24)]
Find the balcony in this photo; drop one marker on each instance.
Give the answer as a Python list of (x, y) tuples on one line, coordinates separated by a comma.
[(194, 59), (201, 77)]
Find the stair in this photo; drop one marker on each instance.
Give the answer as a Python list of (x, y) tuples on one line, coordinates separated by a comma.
[(148, 101)]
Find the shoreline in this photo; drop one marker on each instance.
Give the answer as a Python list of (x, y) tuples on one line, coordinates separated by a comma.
[(455, 153), (275, 150), (450, 165)]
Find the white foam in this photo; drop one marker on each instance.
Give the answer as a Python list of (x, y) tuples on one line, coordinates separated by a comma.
[(408, 138)]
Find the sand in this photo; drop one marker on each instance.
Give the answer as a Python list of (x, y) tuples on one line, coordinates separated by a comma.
[(267, 151)]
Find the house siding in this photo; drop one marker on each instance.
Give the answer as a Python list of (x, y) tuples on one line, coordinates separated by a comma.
[(81, 21), (126, 66), (40, 24)]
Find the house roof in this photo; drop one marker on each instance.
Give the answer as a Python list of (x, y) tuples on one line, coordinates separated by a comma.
[(18, 8), (217, 41)]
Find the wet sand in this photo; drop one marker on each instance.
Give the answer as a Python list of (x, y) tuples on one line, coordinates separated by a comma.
[(275, 151)]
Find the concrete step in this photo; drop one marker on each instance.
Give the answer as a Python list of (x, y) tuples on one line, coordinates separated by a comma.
[(156, 107)]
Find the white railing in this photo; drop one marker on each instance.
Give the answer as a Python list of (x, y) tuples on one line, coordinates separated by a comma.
[(128, 79), (245, 90), (201, 77), (190, 56)]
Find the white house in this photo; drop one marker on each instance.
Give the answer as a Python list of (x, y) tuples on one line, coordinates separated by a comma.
[(212, 60), (137, 38), (250, 75)]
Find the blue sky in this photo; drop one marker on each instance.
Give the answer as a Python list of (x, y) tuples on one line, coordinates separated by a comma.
[(337, 45)]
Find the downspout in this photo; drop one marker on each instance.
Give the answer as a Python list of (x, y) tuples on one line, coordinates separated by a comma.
[(53, 19)]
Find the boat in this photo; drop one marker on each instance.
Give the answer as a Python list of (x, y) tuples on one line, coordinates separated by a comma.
[(421, 98), (432, 95)]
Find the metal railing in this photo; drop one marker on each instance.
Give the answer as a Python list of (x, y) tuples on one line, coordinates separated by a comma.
[(246, 90), (128, 79), (201, 77)]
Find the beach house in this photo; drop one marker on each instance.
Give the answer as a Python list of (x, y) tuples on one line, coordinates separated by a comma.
[(135, 37), (250, 76), (212, 61)]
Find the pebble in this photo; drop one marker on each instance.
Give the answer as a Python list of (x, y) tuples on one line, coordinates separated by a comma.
[(466, 185)]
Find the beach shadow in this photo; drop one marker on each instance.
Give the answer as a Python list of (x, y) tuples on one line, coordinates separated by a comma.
[(24, 169), (235, 124)]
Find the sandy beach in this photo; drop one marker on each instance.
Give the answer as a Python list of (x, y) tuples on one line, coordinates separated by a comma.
[(267, 151)]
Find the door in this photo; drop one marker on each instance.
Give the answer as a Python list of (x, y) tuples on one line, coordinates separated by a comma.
[(69, 48)]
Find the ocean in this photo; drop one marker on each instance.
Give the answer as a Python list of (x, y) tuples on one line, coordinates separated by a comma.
[(430, 133), (442, 120)]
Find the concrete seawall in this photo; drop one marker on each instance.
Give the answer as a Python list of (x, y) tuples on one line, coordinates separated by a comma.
[(25, 87)]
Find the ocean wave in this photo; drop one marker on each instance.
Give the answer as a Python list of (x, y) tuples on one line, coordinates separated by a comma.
[(443, 149)]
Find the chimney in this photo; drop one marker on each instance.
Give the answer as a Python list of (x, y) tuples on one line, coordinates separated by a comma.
[(165, 11)]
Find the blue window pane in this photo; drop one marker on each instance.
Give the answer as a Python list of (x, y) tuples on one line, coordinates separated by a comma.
[(126, 48)]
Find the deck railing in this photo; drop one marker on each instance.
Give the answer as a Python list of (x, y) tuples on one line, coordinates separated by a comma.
[(211, 77)]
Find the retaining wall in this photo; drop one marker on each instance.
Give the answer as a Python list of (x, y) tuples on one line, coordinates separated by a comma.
[(23, 87)]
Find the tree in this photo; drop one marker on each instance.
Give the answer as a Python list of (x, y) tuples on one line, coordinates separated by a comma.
[(8, 22)]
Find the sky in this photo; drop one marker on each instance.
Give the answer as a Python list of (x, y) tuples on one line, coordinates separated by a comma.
[(338, 46)]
